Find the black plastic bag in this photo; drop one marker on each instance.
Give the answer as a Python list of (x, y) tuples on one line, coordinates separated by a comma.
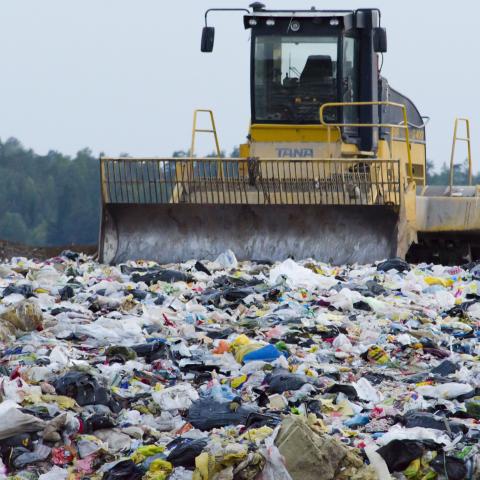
[(137, 293), (454, 467), (83, 387), (398, 454), (237, 294), (185, 451), (97, 421), (125, 470), (393, 263), (66, 293), (282, 382), (200, 267), (206, 414), (447, 367), (152, 351), (429, 420), (169, 276), (348, 390), (25, 290)]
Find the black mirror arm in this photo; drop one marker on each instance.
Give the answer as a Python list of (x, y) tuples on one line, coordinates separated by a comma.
[(223, 10)]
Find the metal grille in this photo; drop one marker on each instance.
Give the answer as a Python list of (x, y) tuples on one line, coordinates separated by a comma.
[(251, 181)]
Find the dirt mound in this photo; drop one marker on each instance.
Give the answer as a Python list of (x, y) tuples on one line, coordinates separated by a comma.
[(12, 249)]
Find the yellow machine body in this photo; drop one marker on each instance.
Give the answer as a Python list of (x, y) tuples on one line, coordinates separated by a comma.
[(301, 190)]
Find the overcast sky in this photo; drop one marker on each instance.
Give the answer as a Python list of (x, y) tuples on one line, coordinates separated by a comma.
[(125, 75)]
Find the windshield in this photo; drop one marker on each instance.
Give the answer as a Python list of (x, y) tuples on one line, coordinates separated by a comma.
[(294, 76)]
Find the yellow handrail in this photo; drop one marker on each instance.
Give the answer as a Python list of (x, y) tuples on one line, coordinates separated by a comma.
[(196, 130), (373, 125), (469, 151)]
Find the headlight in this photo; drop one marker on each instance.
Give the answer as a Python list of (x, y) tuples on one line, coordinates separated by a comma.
[(295, 26)]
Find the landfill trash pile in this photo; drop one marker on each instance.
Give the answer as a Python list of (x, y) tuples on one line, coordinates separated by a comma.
[(238, 370)]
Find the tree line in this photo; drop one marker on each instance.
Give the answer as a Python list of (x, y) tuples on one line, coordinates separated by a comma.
[(54, 199)]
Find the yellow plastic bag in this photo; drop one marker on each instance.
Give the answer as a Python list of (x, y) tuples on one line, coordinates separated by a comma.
[(159, 470), (444, 282), (146, 451)]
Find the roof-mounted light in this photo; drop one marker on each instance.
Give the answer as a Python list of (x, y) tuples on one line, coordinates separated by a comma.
[(334, 22), (252, 22), (294, 25), (270, 22)]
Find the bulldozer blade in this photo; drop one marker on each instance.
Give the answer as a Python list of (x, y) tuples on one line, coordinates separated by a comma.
[(175, 233)]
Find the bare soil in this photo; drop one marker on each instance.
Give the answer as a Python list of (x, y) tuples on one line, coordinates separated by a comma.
[(12, 249)]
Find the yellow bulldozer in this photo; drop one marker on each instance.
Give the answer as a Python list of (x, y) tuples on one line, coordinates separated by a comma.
[(334, 167)]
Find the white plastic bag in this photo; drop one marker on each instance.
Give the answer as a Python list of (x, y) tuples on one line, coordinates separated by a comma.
[(444, 299), (178, 397), (398, 432), (378, 463), (56, 473), (345, 299), (227, 260), (300, 277), (445, 390), (366, 391), (14, 422), (341, 342), (275, 468)]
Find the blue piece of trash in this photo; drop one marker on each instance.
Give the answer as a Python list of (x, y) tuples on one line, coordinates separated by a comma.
[(268, 353)]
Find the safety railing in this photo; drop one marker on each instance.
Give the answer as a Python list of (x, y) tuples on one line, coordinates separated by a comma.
[(212, 130), (251, 181), (467, 140), (404, 126)]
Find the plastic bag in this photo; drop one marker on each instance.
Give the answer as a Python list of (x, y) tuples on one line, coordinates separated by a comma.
[(181, 473), (300, 277), (393, 264), (284, 381), (275, 468), (398, 454), (444, 299), (206, 414), (23, 317), (56, 473), (378, 463), (366, 391), (83, 387), (39, 454), (169, 276), (429, 420), (417, 433), (445, 390), (227, 260), (178, 397), (124, 470), (185, 452), (453, 467), (268, 353), (14, 422)]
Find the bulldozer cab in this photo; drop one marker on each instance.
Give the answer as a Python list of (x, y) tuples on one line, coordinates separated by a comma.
[(331, 168)]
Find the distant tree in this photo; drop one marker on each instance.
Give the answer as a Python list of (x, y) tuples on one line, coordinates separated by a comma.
[(442, 177), (215, 154), (13, 228), (180, 154)]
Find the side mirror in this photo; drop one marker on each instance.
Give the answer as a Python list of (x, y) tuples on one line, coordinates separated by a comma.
[(208, 39), (380, 40)]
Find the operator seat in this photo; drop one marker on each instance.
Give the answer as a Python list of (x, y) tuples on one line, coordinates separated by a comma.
[(317, 78), (317, 68)]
